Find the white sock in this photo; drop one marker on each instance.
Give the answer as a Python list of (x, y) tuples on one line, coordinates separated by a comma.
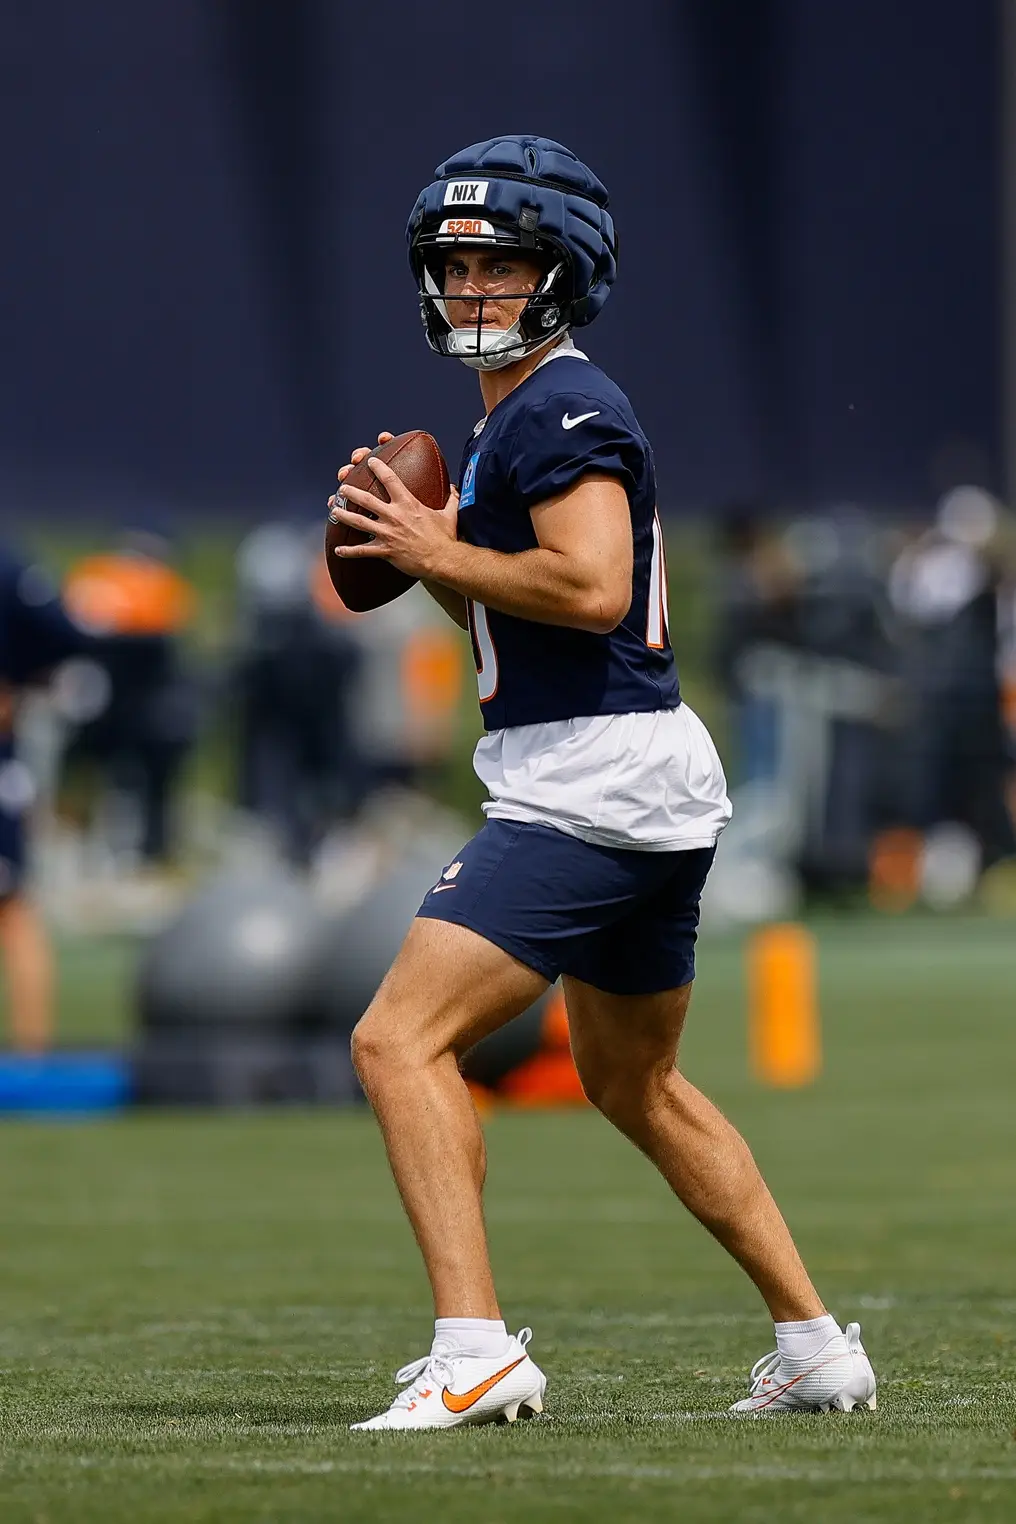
[(471, 1336), (807, 1340)]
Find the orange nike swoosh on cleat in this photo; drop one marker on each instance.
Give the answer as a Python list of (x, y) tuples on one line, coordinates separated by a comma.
[(459, 1402)]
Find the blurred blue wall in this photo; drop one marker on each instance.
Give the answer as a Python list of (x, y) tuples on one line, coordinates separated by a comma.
[(205, 296)]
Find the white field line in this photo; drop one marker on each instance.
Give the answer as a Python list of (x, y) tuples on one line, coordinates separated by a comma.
[(381, 1461), (740, 1470)]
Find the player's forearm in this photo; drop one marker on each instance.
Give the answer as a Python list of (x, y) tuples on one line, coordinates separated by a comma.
[(542, 585), (453, 603)]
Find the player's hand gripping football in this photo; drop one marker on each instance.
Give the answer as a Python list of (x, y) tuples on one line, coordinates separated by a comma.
[(404, 531)]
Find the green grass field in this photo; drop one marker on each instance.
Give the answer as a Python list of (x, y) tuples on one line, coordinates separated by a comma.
[(194, 1307)]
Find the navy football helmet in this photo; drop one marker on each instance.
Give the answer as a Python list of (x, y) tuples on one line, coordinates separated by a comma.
[(524, 193)]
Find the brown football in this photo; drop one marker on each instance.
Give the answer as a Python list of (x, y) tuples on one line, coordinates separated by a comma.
[(417, 461)]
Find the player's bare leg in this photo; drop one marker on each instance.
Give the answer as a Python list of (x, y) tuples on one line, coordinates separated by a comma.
[(28, 972), (447, 988), (625, 1050)]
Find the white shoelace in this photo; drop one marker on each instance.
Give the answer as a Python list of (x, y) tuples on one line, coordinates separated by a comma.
[(433, 1369), (418, 1374), (762, 1371)]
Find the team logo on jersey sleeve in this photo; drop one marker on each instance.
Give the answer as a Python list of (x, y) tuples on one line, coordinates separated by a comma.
[(467, 497)]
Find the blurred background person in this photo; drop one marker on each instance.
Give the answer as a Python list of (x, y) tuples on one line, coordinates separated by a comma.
[(36, 636), (131, 755), (300, 766), (947, 590), (845, 634), (332, 708), (408, 689), (805, 651), (756, 588), (1007, 672)]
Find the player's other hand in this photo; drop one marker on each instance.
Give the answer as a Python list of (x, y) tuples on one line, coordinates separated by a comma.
[(360, 453)]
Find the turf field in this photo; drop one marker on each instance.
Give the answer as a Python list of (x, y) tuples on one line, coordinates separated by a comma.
[(194, 1307)]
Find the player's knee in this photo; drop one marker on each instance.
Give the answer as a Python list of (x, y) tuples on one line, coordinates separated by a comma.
[(384, 1041), (624, 1097), (372, 1049), (611, 1093)]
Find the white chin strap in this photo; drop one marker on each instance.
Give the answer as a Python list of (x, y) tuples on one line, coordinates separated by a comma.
[(489, 348), (498, 347)]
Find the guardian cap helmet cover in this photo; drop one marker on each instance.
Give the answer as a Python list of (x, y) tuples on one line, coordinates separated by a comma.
[(523, 193)]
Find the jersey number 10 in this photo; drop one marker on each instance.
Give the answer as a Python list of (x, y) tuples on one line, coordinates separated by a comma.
[(484, 651), (658, 609), (657, 621)]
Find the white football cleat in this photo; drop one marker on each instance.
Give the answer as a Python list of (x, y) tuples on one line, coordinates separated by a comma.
[(838, 1381), (448, 1388)]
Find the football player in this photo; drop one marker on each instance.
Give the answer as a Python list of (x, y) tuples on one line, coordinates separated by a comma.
[(606, 793), (36, 635)]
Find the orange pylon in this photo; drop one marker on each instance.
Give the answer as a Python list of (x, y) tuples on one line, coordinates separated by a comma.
[(784, 1030)]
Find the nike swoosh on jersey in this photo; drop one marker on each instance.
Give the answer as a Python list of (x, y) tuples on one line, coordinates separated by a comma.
[(573, 423), (459, 1402), (438, 887)]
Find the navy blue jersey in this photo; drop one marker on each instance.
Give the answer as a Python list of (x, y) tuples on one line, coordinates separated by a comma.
[(566, 419)]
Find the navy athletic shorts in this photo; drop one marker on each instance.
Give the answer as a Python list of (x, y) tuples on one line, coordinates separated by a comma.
[(622, 921)]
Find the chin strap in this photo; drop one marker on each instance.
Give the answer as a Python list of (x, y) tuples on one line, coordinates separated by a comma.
[(493, 349), (500, 362)]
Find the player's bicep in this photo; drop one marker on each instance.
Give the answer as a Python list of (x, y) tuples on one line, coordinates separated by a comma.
[(590, 526)]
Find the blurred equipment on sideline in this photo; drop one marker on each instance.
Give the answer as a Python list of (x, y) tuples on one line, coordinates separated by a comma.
[(229, 1001), (65, 1084), (367, 936), (529, 1061), (549, 1076), (494, 1057), (251, 994), (136, 606)]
